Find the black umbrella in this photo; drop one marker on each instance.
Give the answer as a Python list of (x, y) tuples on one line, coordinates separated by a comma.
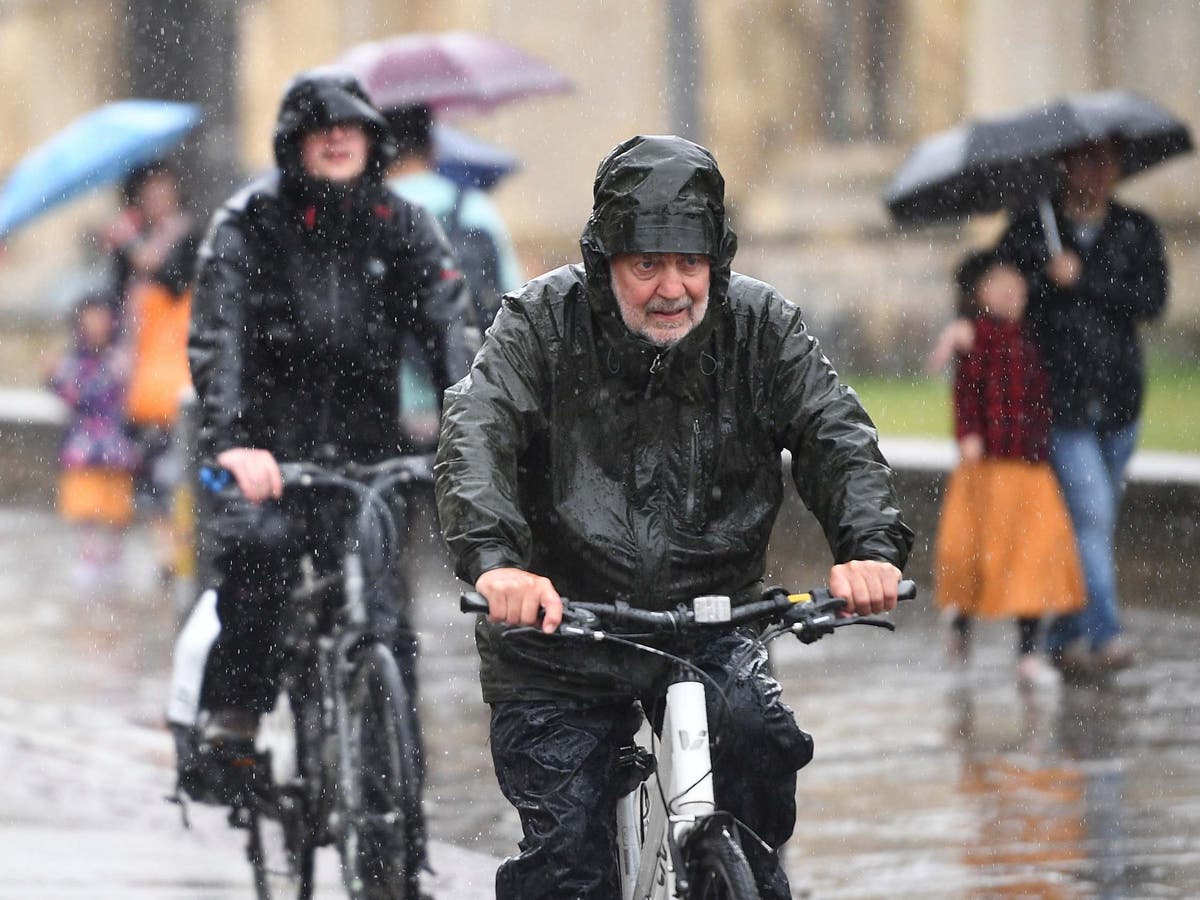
[(1012, 161)]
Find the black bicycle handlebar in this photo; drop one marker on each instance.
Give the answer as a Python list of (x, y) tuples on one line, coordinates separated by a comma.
[(806, 609), (409, 469)]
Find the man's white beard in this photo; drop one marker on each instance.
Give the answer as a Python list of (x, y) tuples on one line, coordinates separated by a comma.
[(663, 338)]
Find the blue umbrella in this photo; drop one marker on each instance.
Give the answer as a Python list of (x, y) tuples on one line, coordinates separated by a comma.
[(99, 148), (468, 161)]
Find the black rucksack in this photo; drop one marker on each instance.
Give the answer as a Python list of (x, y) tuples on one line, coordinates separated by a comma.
[(479, 258)]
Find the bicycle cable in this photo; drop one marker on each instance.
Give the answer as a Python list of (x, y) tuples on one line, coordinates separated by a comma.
[(378, 487), (668, 804), (719, 693), (677, 660)]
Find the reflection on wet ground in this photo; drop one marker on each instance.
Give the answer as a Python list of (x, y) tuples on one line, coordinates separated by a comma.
[(928, 782), (949, 784)]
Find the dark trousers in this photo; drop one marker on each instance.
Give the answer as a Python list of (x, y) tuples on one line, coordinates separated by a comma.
[(556, 761), (255, 550)]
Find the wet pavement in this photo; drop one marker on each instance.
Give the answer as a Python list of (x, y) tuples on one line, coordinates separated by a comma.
[(86, 761), (929, 781)]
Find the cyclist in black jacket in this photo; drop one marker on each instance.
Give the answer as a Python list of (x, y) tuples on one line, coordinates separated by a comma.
[(619, 438), (309, 279)]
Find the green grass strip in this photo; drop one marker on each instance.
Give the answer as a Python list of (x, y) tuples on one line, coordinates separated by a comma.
[(920, 406)]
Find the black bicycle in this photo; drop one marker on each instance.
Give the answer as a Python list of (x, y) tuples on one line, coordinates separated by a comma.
[(672, 839), (338, 759)]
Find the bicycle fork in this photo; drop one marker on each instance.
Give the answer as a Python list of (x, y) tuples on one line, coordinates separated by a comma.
[(684, 778)]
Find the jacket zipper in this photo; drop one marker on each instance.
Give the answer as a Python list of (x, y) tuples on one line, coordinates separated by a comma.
[(655, 367), (690, 507), (335, 302)]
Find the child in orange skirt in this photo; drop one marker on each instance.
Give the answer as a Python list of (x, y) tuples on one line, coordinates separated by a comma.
[(1004, 547), (96, 484)]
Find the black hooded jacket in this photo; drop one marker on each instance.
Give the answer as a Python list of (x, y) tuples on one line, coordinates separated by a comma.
[(1089, 334), (622, 471), (305, 291)]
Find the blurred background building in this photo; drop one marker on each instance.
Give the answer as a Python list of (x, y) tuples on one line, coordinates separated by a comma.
[(809, 105)]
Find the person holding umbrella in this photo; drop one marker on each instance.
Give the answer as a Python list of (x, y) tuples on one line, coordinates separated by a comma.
[(1096, 271), (153, 244), (1092, 286), (154, 238)]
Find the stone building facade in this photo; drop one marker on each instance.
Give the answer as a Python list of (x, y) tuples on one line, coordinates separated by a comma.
[(809, 106)]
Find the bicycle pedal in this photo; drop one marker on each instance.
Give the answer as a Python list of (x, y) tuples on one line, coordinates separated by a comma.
[(223, 775)]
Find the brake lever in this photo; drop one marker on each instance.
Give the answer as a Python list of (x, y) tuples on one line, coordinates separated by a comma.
[(576, 622), (830, 605), (865, 620), (576, 616), (818, 608), (514, 630), (565, 630)]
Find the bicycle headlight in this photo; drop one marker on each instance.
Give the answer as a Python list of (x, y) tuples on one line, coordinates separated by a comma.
[(711, 608)]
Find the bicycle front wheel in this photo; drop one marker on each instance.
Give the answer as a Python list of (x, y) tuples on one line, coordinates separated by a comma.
[(717, 868), (378, 794)]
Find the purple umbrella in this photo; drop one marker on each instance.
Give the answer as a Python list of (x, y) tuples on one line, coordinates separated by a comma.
[(456, 72)]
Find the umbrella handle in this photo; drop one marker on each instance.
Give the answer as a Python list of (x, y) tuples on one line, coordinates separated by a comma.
[(1050, 226)]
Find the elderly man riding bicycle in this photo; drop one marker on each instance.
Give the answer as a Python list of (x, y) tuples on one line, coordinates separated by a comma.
[(618, 438)]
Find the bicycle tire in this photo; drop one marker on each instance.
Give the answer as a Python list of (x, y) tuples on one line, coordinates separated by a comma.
[(281, 871), (317, 753), (379, 835), (281, 846), (717, 868)]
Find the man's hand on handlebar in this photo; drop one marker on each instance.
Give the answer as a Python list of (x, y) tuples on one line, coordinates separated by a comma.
[(868, 586), (517, 597), (255, 471)]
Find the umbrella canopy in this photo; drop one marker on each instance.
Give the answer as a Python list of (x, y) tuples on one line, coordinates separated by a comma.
[(469, 161), (99, 148), (1012, 161), (455, 72)]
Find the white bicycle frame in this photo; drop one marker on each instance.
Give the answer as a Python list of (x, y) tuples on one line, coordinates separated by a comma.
[(684, 777)]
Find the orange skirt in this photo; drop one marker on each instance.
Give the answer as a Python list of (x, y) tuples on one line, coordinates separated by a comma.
[(1005, 546), (96, 495)]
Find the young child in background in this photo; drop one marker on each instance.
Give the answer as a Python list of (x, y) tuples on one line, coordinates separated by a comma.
[(1004, 542), (97, 457)]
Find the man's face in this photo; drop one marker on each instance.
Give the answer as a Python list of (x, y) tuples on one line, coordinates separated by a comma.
[(662, 296), (336, 153), (1093, 170)]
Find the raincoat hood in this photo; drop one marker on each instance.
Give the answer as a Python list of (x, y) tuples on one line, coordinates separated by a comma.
[(657, 194), (322, 97)]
